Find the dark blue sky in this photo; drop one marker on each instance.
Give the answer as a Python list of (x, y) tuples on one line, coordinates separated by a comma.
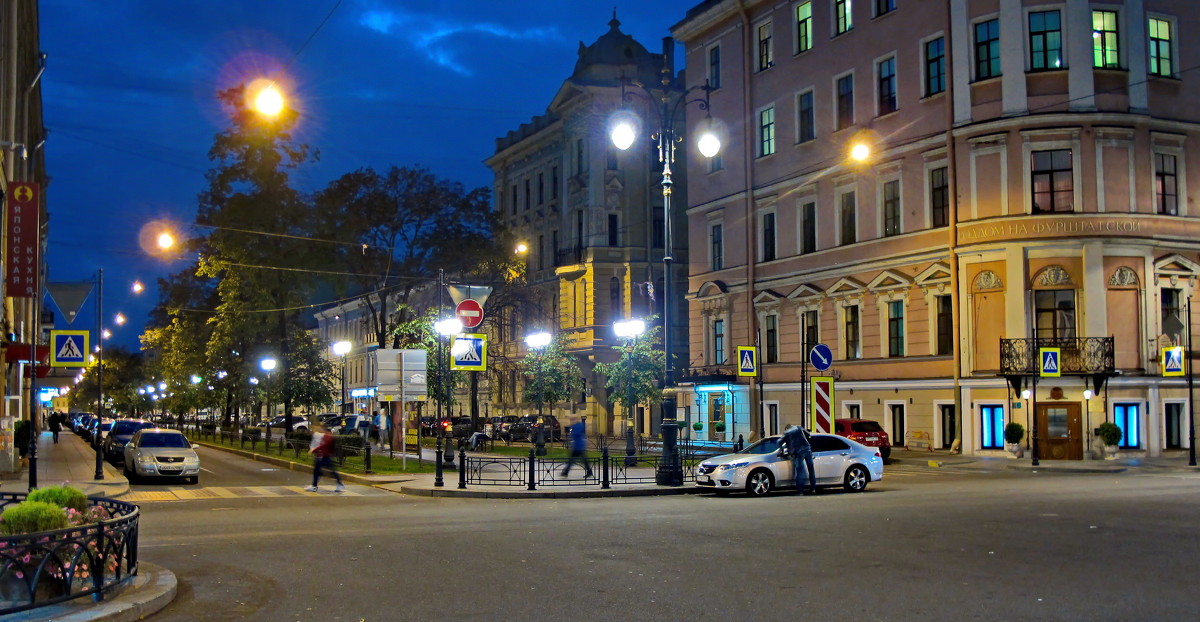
[(129, 97)]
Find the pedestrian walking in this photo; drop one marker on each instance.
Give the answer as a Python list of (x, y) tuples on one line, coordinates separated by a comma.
[(578, 447), (322, 448), (797, 444), (56, 423)]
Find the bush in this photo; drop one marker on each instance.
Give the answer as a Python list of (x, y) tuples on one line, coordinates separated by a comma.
[(1014, 433), (21, 436), (697, 426), (62, 496), (719, 426), (350, 441), (301, 436), (1109, 432), (32, 517), (252, 433)]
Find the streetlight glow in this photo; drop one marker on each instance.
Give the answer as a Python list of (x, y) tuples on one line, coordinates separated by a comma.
[(120, 319), (709, 144), (537, 341), (137, 287), (1025, 394), (196, 379), (268, 101), (267, 364), (106, 334), (522, 248), (860, 152), (165, 241), (629, 328), (448, 326), (342, 348), (623, 135)]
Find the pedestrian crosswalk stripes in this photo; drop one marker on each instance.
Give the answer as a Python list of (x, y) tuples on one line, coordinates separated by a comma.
[(235, 492)]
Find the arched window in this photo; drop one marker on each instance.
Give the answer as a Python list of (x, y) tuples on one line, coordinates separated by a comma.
[(615, 309)]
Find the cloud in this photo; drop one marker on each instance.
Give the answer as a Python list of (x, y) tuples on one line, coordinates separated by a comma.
[(431, 36)]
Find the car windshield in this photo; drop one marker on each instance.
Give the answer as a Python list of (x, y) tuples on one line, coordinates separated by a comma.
[(164, 439), (765, 446), (865, 426), (128, 427)]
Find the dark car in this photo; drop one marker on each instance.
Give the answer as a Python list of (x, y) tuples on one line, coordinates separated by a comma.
[(461, 427), (502, 425), (866, 432), (526, 428), (430, 425), (122, 430)]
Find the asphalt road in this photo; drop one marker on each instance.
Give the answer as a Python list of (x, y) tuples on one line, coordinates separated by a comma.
[(924, 544)]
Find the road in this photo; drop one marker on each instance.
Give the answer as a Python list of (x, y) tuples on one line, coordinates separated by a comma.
[(924, 544)]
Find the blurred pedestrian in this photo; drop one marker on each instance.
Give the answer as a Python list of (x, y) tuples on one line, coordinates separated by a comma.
[(322, 448), (797, 444), (578, 447), (56, 423)]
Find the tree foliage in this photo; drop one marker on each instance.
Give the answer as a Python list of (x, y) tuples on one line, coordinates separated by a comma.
[(553, 374), (648, 361)]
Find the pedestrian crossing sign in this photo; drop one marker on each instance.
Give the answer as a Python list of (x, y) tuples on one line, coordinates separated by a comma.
[(1051, 359), (468, 352), (747, 361), (68, 348), (1172, 361)]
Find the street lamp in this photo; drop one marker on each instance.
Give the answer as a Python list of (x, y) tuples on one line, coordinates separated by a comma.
[(538, 342), (629, 330), (268, 365), (444, 328), (667, 105), (342, 348)]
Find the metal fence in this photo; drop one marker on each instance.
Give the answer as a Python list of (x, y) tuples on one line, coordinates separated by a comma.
[(606, 470), (50, 567)]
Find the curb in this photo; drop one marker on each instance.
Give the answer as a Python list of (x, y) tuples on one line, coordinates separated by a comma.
[(548, 494), (148, 593), (1066, 469), (368, 480)]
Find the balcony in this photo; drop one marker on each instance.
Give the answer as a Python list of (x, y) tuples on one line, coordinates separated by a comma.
[(1081, 356)]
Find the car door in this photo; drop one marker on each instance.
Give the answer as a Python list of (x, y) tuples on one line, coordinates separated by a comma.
[(780, 465), (830, 454)]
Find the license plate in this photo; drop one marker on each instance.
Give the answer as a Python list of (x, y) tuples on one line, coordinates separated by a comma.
[(170, 471), (872, 438), (705, 478)]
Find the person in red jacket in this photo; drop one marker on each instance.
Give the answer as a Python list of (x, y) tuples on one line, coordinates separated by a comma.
[(322, 448)]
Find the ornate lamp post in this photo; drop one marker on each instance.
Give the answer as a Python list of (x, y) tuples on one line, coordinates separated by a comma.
[(342, 348), (268, 365), (445, 328), (629, 330), (538, 342), (667, 104)]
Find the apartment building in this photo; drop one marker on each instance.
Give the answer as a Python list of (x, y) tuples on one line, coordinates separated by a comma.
[(936, 190)]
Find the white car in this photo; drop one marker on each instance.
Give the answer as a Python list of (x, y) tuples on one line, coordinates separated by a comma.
[(161, 452), (759, 468)]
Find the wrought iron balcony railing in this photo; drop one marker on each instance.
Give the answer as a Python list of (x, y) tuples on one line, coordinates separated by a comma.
[(1080, 355)]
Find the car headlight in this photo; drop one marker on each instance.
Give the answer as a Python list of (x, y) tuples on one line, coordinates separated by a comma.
[(191, 461), (146, 459), (733, 465)]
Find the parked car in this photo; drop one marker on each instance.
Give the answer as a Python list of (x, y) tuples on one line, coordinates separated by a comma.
[(526, 428), (430, 425), (120, 434), (298, 423), (96, 429), (502, 425), (760, 468), (461, 427), (163, 453), (865, 432)]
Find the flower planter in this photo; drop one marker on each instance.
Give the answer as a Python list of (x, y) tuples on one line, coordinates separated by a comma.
[(1015, 449)]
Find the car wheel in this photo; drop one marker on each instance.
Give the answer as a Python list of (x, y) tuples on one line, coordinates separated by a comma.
[(856, 479), (759, 483), (885, 452)]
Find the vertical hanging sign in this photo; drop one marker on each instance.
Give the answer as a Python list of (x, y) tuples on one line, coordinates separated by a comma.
[(24, 211)]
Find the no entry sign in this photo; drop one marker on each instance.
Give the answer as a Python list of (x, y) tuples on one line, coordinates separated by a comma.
[(469, 312)]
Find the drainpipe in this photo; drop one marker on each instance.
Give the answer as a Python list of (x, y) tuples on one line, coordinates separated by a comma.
[(952, 222), (748, 148)]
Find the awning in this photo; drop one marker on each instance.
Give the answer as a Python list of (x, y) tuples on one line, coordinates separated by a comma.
[(17, 352)]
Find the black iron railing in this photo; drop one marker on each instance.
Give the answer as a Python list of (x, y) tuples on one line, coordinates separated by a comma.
[(1078, 356), (50, 567), (621, 469)]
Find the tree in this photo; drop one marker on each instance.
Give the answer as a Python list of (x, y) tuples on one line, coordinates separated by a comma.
[(123, 373), (311, 376), (417, 333), (553, 374), (648, 370)]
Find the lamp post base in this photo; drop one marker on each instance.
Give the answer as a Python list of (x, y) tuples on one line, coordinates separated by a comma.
[(630, 449), (670, 466)]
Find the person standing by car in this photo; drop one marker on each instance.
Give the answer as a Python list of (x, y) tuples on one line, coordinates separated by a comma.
[(578, 447), (322, 448), (797, 445)]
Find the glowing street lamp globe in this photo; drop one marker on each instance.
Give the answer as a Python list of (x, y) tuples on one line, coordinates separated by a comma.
[(341, 348), (709, 144), (537, 341), (629, 328), (267, 364)]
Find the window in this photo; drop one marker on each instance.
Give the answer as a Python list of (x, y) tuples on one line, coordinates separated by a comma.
[(848, 219), (845, 102), (554, 246), (659, 233), (554, 182), (768, 236), (898, 428), (853, 411), (541, 252), (614, 299), (1126, 417), (771, 328), (1055, 313), (1173, 425), (883, 7), (844, 21), (807, 124), (896, 328), (987, 49), (541, 189), (715, 163), (1104, 40), (808, 228), (887, 86), (1160, 47), (945, 325), (718, 342), (1166, 196), (528, 195), (513, 202), (610, 159), (804, 34), (992, 428), (714, 67), (580, 165), (811, 331), (614, 232), (1171, 314), (850, 326), (891, 207), (935, 66), (766, 52), (1045, 40), (1053, 184), (766, 131), (718, 248), (939, 197)]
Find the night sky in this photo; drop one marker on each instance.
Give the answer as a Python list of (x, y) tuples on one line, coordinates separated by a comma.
[(129, 99)]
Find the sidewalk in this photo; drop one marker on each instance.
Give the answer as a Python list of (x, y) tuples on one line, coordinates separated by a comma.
[(940, 458), (72, 461)]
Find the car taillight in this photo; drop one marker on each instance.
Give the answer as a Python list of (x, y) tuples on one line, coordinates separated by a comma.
[(877, 454)]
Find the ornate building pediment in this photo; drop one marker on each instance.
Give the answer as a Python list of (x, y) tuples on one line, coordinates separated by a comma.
[(889, 279), (846, 286), (1053, 276), (1123, 276), (936, 274), (805, 292), (987, 280), (1176, 265)]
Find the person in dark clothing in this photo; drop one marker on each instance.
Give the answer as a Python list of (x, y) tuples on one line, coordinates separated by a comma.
[(578, 447), (798, 446), (56, 423)]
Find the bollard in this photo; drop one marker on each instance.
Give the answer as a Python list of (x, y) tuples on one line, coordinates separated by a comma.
[(604, 468), (462, 469), (367, 459), (741, 444), (541, 441), (532, 466), (437, 469)]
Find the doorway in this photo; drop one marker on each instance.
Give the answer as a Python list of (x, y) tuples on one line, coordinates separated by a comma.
[(772, 415), (716, 410), (1060, 427), (949, 424)]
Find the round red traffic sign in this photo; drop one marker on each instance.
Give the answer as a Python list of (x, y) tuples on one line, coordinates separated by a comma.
[(469, 312)]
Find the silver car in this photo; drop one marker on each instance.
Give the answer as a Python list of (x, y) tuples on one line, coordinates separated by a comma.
[(760, 468), (161, 452)]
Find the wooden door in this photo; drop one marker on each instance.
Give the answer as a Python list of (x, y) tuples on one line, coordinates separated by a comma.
[(1060, 432)]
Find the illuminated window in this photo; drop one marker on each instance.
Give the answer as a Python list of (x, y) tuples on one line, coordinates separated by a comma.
[(992, 427), (766, 51), (1045, 40), (1160, 48), (804, 33), (1104, 40), (766, 131), (842, 14), (1126, 416)]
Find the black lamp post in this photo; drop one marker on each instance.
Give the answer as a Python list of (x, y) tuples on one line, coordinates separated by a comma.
[(630, 330), (99, 475), (342, 348), (538, 342), (667, 103)]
